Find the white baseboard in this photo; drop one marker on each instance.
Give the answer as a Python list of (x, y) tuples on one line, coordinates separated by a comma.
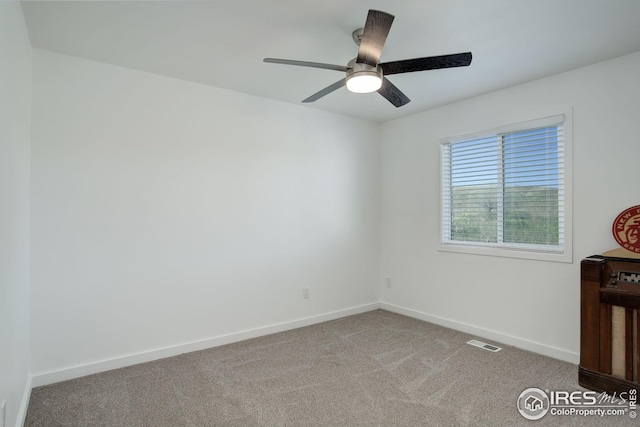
[(546, 350), (72, 372), (26, 395)]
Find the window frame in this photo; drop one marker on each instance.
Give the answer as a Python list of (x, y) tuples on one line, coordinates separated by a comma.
[(522, 251)]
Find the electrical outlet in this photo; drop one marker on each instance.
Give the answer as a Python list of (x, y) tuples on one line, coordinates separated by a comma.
[(387, 281), (305, 293), (3, 411)]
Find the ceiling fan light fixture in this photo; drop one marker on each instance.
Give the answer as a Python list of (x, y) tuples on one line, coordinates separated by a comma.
[(364, 82), (363, 78)]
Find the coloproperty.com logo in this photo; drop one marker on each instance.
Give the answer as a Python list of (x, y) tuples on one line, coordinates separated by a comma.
[(534, 403)]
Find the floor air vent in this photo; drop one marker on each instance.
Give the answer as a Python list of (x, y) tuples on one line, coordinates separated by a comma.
[(484, 345)]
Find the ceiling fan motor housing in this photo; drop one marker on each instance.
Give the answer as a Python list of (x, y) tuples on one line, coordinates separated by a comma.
[(368, 77)]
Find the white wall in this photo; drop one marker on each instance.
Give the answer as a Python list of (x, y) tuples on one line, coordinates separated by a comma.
[(15, 105), (532, 304), (166, 213)]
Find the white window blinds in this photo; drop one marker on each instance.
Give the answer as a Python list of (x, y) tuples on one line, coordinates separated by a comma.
[(506, 188)]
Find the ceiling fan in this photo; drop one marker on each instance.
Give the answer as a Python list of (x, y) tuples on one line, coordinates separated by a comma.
[(366, 74)]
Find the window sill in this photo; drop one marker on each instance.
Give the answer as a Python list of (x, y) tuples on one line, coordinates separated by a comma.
[(536, 255)]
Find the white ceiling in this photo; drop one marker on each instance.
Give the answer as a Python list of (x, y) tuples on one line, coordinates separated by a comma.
[(222, 43)]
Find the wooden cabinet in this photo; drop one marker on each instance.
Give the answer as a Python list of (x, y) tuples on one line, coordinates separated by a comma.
[(609, 323)]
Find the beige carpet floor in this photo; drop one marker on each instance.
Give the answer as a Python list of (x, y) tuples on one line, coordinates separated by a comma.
[(371, 369)]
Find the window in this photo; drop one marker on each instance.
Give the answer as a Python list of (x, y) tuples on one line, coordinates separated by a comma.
[(504, 192)]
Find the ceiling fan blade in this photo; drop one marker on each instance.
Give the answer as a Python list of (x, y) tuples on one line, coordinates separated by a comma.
[(428, 63), (374, 35), (392, 93), (306, 64), (326, 91)]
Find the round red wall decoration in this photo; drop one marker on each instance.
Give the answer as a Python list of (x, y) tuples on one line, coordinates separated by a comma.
[(626, 229)]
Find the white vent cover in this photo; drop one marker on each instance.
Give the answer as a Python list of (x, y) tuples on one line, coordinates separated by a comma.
[(484, 345)]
